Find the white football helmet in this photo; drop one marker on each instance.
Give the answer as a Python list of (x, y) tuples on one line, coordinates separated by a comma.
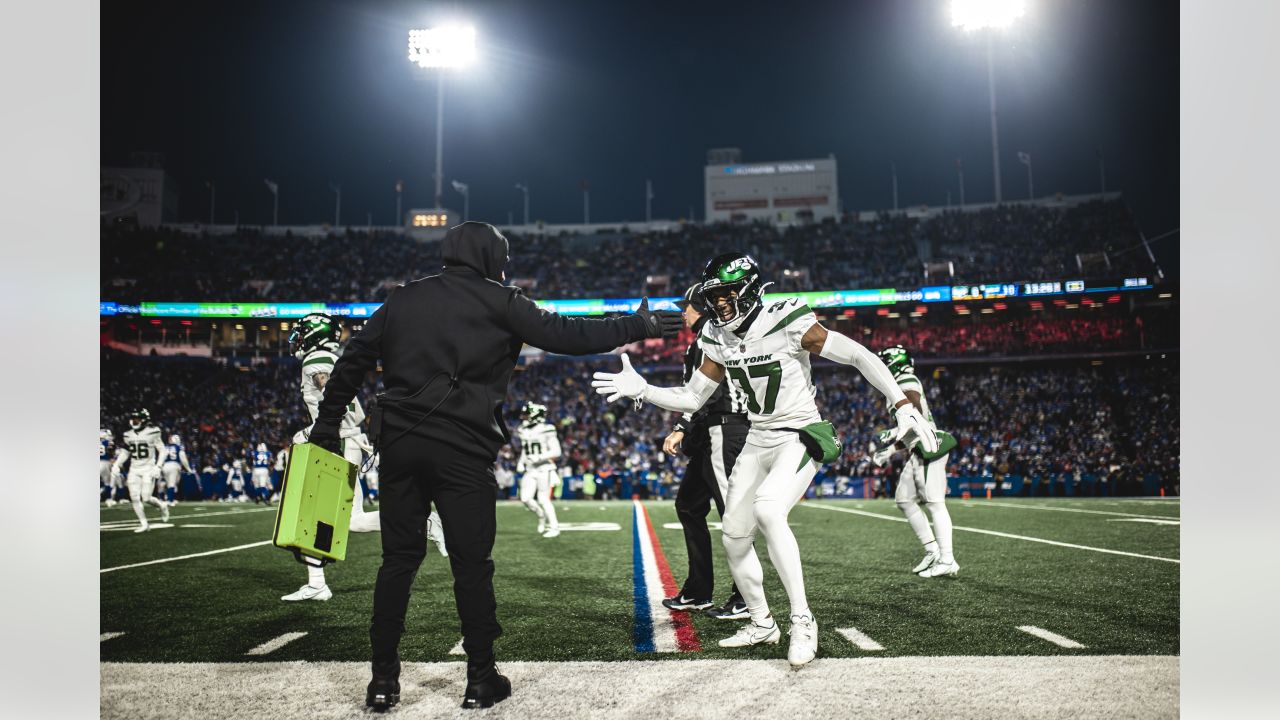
[(262, 447), (105, 434), (174, 439)]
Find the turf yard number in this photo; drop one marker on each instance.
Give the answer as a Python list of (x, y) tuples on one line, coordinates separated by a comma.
[(773, 371)]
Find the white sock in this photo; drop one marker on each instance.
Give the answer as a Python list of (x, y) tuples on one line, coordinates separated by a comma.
[(137, 510), (747, 572), (315, 576), (942, 525), (919, 523), (549, 511)]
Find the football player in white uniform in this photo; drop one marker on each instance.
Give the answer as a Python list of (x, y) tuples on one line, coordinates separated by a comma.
[(261, 474), (175, 462), (108, 482), (765, 350), (143, 448), (924, 475), (314, 340), (235, 482), (539, 449)]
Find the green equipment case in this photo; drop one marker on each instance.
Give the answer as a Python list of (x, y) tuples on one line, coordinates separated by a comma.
[(315, 504)]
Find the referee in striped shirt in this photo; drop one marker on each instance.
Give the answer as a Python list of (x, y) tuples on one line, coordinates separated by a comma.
[(711, 438)]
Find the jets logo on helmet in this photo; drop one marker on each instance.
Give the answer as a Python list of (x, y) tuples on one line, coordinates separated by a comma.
[(898, 360), (314, 331), (533, 413), (732, 288), (139, 418)]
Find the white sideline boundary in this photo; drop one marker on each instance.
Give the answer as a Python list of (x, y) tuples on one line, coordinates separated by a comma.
[(963, 688), (1011, 536), (184, 557), (1018, 506), (108, 635)]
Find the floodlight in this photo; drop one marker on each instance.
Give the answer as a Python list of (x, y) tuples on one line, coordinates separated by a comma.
[(448, 46), (978, 14)]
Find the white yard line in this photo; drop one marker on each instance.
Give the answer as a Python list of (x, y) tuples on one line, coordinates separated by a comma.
[(185, 557), (1019, 506), (457, 648), (108, 635), (275, 643), (999, 534), (859, 639), (1052, 637)]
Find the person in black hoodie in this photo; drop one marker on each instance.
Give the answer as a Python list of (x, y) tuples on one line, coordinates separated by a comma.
[(448, 344)]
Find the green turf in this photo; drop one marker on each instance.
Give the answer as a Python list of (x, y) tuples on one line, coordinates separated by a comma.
[(570, 598)]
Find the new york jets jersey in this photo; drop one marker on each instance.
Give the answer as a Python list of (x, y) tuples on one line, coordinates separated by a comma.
[(908, 381), (539, 444), (321, 361), (768, 365), (145, 446)]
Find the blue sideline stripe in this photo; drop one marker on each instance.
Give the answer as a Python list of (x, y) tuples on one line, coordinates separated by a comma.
[(644, 621)]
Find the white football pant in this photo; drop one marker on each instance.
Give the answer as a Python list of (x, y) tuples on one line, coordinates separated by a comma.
[(172, 472), (922, 482), (535, 493), (261, 477), (141, 482), (768, 479)]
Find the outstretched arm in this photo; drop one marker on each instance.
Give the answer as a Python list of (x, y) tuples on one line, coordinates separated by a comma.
[(687, 398), (839, 348)]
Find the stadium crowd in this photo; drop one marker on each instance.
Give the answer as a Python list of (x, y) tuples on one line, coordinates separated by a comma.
[(1008, 244), (1063, 423)]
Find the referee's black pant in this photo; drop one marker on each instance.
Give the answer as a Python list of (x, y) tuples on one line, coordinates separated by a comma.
[(415, 473), (714, 450)]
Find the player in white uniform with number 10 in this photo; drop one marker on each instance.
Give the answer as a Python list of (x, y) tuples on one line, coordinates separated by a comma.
[(764, 350), (539, 449), (143, 448)]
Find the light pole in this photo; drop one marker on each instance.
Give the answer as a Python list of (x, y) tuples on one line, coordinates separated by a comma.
[(337, 208), (960, 173), (524, 188), (466, 199), (990, 15), (450, 46), (1025, 159), (274, 187)]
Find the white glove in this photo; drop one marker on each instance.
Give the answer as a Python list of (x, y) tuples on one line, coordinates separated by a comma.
[(880, 454), (555, 481), (911, 422), (627, 383), (300, 437)]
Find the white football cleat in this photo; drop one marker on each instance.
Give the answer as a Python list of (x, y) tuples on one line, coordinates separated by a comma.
[(553, 532), (753, 634), (804, 640), (142, 528), (929, 559), (940, 568), (366, 522), (307, 592), (110, 502)]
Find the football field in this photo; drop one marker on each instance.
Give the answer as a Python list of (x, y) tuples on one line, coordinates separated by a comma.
[(1062, 608)]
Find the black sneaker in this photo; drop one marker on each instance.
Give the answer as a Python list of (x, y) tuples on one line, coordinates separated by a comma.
[(734, 609), (680, 602), (485, 687), (383, 694)]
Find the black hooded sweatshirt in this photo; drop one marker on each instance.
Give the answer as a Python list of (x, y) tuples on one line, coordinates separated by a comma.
[(452, 340)]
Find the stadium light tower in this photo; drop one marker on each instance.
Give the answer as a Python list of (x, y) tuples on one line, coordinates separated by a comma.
[(989, 15), (442, 48)]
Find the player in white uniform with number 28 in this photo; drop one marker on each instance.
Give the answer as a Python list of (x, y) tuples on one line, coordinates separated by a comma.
[(764, 351), (539, 449), (143, 448)]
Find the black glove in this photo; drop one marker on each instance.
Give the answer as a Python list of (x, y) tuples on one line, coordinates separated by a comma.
[(326, 438), (659, 323)]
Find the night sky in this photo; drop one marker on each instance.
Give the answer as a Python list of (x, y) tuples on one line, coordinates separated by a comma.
[(308, 93)]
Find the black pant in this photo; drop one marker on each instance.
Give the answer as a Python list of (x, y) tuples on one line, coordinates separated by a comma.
[(416, 473), (699, 488)]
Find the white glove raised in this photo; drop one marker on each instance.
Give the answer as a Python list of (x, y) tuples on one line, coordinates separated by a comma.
[(627, 383), (911, 422), (880, 457)]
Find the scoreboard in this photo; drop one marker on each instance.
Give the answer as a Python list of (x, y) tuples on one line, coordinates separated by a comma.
[(784, 193)]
